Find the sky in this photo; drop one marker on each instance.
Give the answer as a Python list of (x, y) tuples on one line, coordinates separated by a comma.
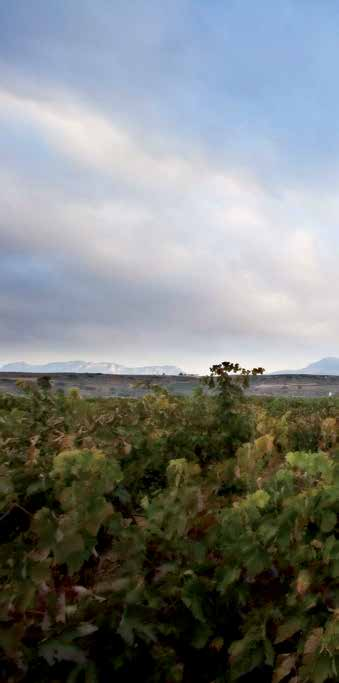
[(169, 178)]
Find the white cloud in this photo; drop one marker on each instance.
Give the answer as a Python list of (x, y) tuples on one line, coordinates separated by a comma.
[(230, 257), (88, 137)]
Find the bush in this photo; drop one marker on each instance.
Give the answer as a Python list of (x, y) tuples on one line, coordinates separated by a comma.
[(168, 538)]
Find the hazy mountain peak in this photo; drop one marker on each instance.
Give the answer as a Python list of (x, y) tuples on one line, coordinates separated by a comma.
[(82, 366), (324, 366)]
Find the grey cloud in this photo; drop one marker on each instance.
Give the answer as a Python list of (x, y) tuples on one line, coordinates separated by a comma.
[(191, 281), (242, 82), (147, 227)]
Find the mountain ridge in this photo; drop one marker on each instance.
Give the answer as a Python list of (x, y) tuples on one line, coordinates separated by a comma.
[(324, 366), (79, 366)]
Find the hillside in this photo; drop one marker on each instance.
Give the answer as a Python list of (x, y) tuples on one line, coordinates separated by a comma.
[(325, 366)]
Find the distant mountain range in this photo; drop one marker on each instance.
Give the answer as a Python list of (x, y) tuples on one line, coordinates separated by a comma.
[(325, 366), (83, 366)]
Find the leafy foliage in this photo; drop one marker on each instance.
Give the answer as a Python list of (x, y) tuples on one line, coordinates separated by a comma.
[(168, 538)]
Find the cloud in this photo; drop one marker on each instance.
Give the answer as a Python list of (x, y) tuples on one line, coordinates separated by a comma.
[(95, 142), (169, 216), (195, 252)]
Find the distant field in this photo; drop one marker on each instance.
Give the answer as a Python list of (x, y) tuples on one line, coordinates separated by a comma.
[(95, 385)]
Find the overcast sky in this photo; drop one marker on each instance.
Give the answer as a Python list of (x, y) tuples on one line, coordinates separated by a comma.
[(169, 177)]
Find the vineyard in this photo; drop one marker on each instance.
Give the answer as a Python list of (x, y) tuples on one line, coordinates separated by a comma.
[(169, 538)]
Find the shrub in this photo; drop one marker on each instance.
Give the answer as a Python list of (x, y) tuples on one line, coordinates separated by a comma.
[(168, 538)]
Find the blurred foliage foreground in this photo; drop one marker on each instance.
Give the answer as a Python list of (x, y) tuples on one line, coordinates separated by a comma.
[(169, 539)]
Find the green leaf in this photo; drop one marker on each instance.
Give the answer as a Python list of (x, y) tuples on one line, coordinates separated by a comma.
[(58, 651), (40, 571), (99, 514), (328, 521), (269, 652), (260, 498), (44, 526), (85, 629), (250, 657), (68, 546), (26, 597), (322, 669), (132, 624), (227, 578), (36, 487), (91, 673), (75, 673), (10, 638), (201, 635), (192, 598), (288, 629)]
